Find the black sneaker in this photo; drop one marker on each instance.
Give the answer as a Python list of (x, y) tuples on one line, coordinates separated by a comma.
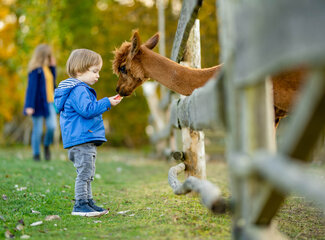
[(81, 208), (47, 153), (91, 204), (37, 158)]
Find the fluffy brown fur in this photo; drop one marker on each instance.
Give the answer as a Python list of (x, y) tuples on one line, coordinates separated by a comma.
[(120, 56), (134, 63), (141, 63)]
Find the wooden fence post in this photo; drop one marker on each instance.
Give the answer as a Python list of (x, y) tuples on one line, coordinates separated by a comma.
[(193, 141)]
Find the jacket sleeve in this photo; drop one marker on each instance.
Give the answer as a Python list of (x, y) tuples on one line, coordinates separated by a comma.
[(53, 70), (83, 104), (31, 90)]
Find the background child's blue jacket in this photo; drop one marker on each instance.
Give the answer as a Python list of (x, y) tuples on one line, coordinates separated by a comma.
[(80, 113), (36, 92)]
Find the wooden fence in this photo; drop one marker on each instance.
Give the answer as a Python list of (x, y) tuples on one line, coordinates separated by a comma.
[(258, 38)]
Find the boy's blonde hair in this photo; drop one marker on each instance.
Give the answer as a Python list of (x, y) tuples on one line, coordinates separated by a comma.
[(80, 60), (41, 57)]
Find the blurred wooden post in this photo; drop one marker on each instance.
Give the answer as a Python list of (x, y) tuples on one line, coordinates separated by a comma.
[(251, 128), (161, 26), (158, 117), (193, 141)]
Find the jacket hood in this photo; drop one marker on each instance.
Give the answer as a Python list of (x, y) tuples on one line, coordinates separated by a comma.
[(63, 90)]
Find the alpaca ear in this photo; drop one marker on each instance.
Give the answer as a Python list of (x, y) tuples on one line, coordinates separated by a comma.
[(135, 44), (152, 42)]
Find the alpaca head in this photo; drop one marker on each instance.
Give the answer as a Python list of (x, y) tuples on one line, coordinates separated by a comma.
[(127, 63)]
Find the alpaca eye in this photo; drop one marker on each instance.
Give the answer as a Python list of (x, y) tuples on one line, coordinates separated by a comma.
[(123, 69)]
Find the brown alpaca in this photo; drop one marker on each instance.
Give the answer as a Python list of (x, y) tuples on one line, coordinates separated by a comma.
[(135, 63)]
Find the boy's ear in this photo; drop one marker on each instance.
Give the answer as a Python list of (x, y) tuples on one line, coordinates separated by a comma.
[(152, 42), (135, 43)]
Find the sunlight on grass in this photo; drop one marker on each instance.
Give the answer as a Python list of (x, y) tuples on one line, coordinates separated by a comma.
[(135, 188)]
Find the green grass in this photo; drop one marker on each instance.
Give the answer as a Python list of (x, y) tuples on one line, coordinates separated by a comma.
[(129, 180)]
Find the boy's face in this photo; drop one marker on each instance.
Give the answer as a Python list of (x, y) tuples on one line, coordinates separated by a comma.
[(91, 76)]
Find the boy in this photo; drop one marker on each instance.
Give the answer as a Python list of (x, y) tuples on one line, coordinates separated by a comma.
[(82, 125)]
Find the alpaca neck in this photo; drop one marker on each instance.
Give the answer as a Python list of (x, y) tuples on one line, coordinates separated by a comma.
[(174, 76)]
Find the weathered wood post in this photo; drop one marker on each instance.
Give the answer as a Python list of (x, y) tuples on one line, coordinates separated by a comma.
[(193, 141), (250, 120), (250, 128), (158, 115), (161, 26)]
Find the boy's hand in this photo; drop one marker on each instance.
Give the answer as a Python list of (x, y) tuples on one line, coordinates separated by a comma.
[(115, 99), (118, 97)]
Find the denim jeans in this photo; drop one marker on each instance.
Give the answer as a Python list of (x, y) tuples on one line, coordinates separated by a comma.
[(83, 157), (50, 123)]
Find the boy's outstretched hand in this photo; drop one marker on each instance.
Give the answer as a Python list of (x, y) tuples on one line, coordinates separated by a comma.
[(115, 99)]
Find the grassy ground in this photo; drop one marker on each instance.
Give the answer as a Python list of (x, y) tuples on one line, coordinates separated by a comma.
[(125, 181)]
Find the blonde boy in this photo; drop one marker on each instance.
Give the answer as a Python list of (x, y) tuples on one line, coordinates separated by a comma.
[(81, 123)]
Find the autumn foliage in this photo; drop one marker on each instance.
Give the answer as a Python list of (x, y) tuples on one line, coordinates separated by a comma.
[(100, 25)]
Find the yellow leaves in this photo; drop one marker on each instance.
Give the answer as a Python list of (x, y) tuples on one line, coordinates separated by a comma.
[(8, 30), (8, 2), (4, 11), (11, 96)]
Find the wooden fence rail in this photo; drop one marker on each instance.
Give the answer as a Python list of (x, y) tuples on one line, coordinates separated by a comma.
[(188, 112)]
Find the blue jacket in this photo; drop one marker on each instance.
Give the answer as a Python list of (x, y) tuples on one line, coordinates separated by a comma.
[(36, 92), (80, 113)]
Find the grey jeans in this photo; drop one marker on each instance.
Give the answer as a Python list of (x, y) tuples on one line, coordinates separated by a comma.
[(83, 157)]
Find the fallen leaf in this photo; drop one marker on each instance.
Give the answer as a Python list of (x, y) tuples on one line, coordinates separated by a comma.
[(4, 197), (36, 223), (52, 217), (19, 227), (123, 212), (97, 221), (131, 215), (8, 234), (35, 212), (21, 188), (25, 236)]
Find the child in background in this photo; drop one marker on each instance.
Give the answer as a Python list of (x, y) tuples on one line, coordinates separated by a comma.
[(39, 98), (82, 124)]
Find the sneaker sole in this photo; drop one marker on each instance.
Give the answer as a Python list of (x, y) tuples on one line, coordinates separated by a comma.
[(88, 214)]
